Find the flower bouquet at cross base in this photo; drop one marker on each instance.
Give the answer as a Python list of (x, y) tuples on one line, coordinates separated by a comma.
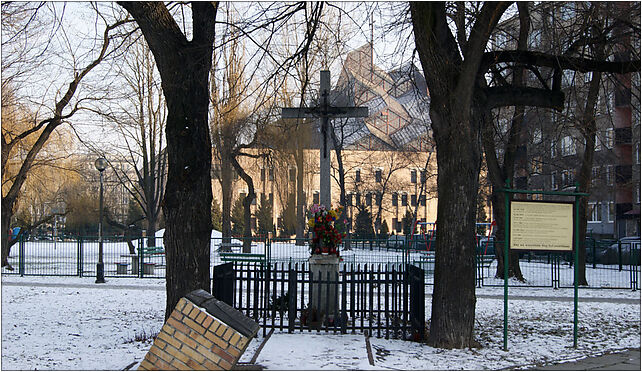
[(323, 224)]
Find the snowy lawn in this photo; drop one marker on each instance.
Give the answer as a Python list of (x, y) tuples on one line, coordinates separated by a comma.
[(75, 324)]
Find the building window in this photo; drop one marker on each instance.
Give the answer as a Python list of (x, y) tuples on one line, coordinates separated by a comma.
[(369, 199), (357, 175), (413, 200), (594, 212), (568, 147), (553, 149), (292, 174), (349, 201), (636, 192), (413, 176), (357, 199), (637, 153), (609, 138), (378, 175), (423, 200), (404, 199), (611, 216), (271, 176), (315, 197), (262, 174), (379, 198), (595, 174), (553, 180), (394, 199), (598, 143), (568, 178), (609, 175), (424, 176)]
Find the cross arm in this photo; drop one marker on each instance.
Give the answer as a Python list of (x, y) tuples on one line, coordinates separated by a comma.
[(331, 112)]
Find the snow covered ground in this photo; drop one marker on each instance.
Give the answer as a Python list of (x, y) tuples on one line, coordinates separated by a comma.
[(70, 323)]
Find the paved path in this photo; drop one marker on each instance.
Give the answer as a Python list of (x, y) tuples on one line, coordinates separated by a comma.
[(108, 285), (623, 361)]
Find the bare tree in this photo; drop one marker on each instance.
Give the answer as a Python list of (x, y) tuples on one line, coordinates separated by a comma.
[(60, 108), (455, 65)]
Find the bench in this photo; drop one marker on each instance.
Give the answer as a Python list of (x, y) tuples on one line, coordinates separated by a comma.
[(152, 250), (229, 247), (242, 257), (146, 252), (121, 267)]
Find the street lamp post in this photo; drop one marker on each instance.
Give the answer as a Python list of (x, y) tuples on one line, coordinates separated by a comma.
[(101, 165)]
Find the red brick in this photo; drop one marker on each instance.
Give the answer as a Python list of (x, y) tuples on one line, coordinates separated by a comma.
[(233, 351), (225, 365), (223, 354), (208, 354), (192, 364), (211, 366)]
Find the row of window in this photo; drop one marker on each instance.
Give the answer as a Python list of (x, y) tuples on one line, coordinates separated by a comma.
[(568, 176), (595, 211), (354, 199), (568, 144)]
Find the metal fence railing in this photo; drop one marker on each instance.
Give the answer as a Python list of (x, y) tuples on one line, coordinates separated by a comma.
[(609, 264), (364, 298)]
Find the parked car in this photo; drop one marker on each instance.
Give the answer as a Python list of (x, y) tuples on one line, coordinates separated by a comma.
[(626, 249)]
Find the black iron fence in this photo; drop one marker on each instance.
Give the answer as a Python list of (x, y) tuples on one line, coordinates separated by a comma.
[(375, 300), (609, 264)]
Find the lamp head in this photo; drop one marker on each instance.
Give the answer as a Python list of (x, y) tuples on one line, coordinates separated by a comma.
[(101, 164)]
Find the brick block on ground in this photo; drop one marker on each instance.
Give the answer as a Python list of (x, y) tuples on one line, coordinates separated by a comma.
[(201, 333)]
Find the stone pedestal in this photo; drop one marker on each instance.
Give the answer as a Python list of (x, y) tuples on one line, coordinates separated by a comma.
[(323, 295)]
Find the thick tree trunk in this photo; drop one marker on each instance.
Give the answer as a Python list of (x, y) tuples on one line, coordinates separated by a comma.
[(453, 304), (6, 223), (184, 67)]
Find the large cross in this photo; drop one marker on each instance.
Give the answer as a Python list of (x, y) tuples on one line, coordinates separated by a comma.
[(325, 112)]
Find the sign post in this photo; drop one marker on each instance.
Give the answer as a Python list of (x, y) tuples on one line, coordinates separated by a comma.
[(542, 226)]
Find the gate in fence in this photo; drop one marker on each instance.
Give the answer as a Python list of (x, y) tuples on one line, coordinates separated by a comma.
[(379, 301)]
